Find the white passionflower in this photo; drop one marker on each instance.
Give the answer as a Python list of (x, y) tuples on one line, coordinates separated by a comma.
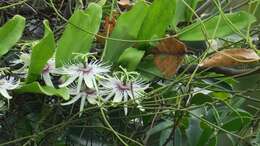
[(121, 90), (47, 70), (8, 84), (87, 73), (87, 94)]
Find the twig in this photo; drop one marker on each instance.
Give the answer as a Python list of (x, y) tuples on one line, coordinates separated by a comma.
[(176, 123), (220, 70), (203, 7), (12, 5)]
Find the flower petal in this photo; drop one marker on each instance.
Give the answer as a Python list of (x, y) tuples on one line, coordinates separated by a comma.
[(82, 104), (69, 81), (79, 83), (109, 96), (74, 99), (5, 94), (125, 109), (125, 105), (88, 81), (47, 79), (118, 97), (92, 99)]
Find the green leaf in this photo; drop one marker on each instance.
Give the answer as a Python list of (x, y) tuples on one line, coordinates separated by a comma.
[(183, 13), (235, 122), (200, 98), (159, 127), (213, 141), (194, 131), (35, 87), (164, 136), (179, 13), (205, 136), (41, 53), (148, 68), (223, 96), (188, 13), (217, 25), (75, 38), (158, 19), (178, 137), (127, 27), (10, 33), (131, 58)]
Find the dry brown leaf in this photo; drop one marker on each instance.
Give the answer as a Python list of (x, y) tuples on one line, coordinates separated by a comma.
[(230, 57), (124, 3), (108, 26), (169, 55)]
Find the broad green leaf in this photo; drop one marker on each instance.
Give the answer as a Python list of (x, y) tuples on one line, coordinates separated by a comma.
[(213, 141), (35, 87), (10, 33), (164, 136), (205, 135), (159, 127), (249, 82), (130, 58), (194, 131), (188, 13), (200, 98), (235, 122), (179, 13), (158, 19), (41, 53), (178, 137), (214, 29), (148, 69), (183, 13), (223, 96), (75, 38), (127, 27)]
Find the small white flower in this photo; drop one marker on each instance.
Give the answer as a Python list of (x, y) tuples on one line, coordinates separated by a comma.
[(123, 90), (88, 94), (47, 70), (87, 73), (8, 84)]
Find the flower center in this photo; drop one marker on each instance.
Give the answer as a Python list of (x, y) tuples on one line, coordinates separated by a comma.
[(46, 68), (122, 87), (90, 92), (86, 70)]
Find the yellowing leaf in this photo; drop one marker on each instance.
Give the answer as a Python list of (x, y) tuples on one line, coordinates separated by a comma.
[(230, 57)]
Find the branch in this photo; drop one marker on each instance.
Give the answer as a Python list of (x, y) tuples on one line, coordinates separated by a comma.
[(203, 7)]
